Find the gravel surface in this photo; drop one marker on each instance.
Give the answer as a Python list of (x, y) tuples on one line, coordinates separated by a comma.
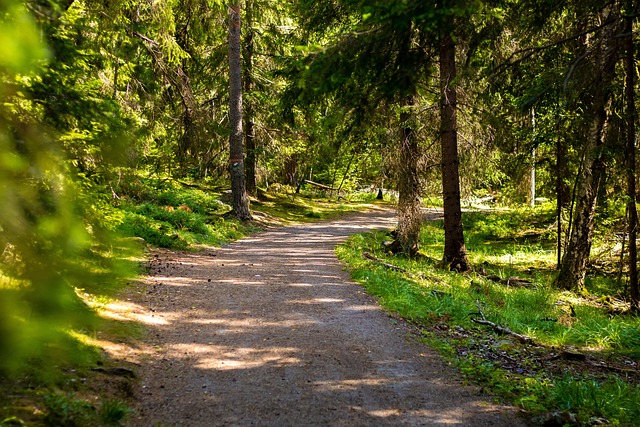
[(270, 331)]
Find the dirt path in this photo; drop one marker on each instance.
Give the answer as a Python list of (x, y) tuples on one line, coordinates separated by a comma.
[(269, 331)]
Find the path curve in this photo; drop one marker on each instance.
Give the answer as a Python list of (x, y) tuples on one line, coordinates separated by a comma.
[(270, 331)]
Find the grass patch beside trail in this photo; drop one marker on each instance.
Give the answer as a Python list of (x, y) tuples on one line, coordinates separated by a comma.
[(177, 216), (57, 383), (584, 361), (68, 380)]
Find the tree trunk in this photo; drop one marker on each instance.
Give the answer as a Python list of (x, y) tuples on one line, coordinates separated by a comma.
[(409, 212), (291, 171), (574, 262), (563, 192), (455, 253), (249, 128), (576, 257), (560, 200), (632, 223), (532, 172), (236, 160)]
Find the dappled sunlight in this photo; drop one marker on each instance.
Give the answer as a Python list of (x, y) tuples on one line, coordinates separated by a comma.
[(250, 323), (272, 326), (230, 358), (129, 311), (351, 384), (236, 283), (316, 301), (179, 281), (360, 308)]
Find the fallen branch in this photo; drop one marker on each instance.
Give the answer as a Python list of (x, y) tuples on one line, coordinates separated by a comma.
[(370, 257), (317, 184), (500, 329), (511, 281)]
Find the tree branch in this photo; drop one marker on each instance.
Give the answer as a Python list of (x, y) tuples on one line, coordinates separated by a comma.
[(500, 329)]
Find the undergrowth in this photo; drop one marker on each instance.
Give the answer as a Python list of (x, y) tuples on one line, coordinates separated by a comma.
[(64, 386), (55, 383), (585, 356), (173, 215)]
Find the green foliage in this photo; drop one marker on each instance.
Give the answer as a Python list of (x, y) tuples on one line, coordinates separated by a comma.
[(177, 217), (54, 230), (96, 95), (506, 244), (113, 411), (612, 399), (65, 410), (21, 40)]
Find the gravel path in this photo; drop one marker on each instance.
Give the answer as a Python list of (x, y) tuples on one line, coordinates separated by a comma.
[(270, 331)]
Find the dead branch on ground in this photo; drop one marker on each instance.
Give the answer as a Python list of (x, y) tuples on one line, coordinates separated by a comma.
[(370, 257), (322, 186), (511, 281), (500, 329)]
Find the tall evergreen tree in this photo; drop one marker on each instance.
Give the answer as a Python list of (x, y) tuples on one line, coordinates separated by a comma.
[(236, 159), (249, 109), (385, 53), (455, 253), (630, 10), (602, 67)]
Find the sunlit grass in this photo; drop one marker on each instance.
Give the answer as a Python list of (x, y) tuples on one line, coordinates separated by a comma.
[(179, 217), (291, 208), (507, 244)]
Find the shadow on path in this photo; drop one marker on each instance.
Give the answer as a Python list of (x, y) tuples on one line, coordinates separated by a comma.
[(270, 331)]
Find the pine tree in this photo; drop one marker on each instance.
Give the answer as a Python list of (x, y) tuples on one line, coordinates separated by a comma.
[(236, 160)]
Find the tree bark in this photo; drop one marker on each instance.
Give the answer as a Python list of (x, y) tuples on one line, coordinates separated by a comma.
[(576, 257), (236, 160), (632, 223), (249, 110), (559, 201), (532, 171), (409, 212), (455, 253)]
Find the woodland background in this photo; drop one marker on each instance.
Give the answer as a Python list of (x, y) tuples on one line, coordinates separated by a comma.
[(136, 118)]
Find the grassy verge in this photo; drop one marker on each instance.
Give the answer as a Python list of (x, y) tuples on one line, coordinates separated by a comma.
[(173, 215), (69, 380), (58, 378), (583, 363)]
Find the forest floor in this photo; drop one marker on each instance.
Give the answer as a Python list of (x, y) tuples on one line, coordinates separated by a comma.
[(271, 331)]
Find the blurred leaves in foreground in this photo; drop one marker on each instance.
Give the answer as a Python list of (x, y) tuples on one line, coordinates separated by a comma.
[(45, 237)]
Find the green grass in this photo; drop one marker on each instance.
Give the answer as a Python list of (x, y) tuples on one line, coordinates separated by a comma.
[(51, 384), (181, 217), (113, 411), (506, 244)]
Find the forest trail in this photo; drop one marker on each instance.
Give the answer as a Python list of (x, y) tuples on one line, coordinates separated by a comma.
[(270, 331)]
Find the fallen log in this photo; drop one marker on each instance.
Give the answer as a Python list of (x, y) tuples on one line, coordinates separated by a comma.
[(500, 329)]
